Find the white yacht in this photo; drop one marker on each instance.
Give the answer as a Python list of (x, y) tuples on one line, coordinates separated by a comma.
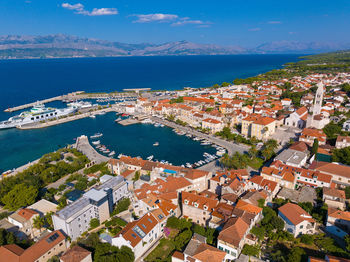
[(37, 114)]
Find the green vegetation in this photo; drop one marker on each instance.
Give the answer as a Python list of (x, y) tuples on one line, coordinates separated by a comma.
[(105, 252), (50, 168), (341, 155), (228, 135), (254, 158), (322, 63), (137, 176), (162, 253), (180, 99), (8, 238), (20, 196), (103, 168), (121, 206), (181, 233), (180, 122), (250, 250), (38, 222), (314, 147), (94, 223)]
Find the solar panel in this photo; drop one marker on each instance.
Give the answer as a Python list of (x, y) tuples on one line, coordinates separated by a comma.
[(52, 238)]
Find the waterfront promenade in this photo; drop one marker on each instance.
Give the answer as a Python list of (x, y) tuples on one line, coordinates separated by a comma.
[(229, 146)]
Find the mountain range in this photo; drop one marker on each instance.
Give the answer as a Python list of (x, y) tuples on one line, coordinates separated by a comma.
[(57, 46)]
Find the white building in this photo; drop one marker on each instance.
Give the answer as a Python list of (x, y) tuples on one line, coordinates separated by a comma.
[(98, 203), (140, 235), (297, 220)]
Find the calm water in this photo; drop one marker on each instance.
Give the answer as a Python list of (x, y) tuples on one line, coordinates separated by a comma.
[(24, 81)]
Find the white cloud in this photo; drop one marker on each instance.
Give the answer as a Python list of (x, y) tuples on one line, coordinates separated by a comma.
[(175, 20), (155, 18), (274, 22), (103, 11), (77, 6), (254, 29), (79, 9), (187, 21)]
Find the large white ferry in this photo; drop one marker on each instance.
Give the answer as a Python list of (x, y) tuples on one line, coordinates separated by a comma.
[(38, 113)]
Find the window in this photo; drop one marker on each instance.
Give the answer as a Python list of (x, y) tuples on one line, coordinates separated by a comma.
[(301, 227)]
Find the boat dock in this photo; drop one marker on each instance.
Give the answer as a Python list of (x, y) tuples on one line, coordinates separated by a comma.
[(16, 108), (76, 96), (83, 145), (127, 122)]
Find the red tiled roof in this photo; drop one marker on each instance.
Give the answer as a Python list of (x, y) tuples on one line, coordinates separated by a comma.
[(295, 213), (75, 254)]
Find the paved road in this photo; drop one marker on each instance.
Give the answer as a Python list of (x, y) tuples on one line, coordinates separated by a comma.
[(230, 147)]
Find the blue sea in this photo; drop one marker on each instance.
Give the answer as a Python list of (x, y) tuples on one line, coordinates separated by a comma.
[(24, 81)]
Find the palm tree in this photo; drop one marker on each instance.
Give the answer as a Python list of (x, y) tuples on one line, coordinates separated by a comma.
[(38, 222)]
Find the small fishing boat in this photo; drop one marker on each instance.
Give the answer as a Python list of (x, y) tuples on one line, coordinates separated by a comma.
[(97, 135), (150, 158), (96, 142), (156, 144), (111, 153)]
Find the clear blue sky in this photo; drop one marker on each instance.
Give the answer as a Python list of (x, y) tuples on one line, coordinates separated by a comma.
[(226, 22)]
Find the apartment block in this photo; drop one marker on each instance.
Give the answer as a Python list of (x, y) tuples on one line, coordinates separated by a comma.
[(98, 203)]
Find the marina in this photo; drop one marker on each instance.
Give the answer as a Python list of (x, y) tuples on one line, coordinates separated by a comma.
[(133, 140)]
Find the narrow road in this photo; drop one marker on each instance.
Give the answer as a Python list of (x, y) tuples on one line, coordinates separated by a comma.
[(229, 146)]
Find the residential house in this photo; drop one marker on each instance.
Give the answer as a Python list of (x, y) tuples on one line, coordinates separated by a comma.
[(24, 220), (260, 183), (340, 173), (213, 125), (342, 141), (141, 234), (259, 127), (198, 251), (231, 238), (292, 157), (339, 218), (297, 220), (334, 198), (308, 135), (198, 208), (51, 245), (76, 254)]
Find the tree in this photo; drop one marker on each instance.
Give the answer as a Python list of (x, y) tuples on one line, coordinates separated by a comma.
[(48, 218), (259, 232), (314, 147), (252, 152), (341, 155), (122, 206), (182, 239), (38, 222), (137, 176), (94, 223), (250, 250), (307, 206), (347, 242), (261, 202), (296, 254), (20, 196), (307, 239)]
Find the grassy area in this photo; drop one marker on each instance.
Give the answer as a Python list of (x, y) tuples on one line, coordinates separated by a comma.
[(162, 252)]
